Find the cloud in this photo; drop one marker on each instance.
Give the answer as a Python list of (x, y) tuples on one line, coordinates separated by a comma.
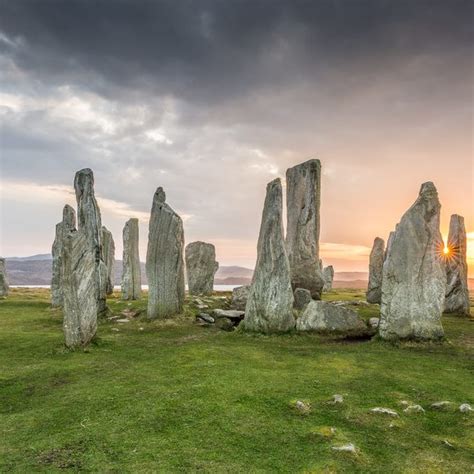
[(211, 100)]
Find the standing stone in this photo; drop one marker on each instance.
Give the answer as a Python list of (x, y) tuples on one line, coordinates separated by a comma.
[(389, 242), (164, 260), (83, 272), (62, 228), (240, 295), (374, 289), (270, 302), (201, 266), (108, 255), (457, 292), (131, 274), (3, 278), (328, 274), (302, 230), (414, 279)]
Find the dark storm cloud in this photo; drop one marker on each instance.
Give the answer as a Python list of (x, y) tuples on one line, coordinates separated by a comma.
[(213, 99), (216, 50)]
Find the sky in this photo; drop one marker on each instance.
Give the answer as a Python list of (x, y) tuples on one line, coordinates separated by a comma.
[(214, 99)]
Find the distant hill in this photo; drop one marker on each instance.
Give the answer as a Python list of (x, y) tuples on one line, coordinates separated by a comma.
[(36, 270)]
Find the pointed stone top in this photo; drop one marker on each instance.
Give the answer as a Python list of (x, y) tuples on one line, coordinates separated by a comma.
[(379, 241), (428, 188), (132, 220), (160, 195), (272, 184), (84, 182)]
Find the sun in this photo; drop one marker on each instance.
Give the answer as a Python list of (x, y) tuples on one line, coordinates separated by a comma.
[(446, 250)]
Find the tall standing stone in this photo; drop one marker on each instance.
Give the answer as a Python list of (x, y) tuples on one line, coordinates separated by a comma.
[(270, 302), (108, 255), (131, 274), (302, 232), (414, 279), (62, 228), (3, 278), (328, 275), (374, 289), (457, 291), (201, 266), (83, 272), (164, 260)]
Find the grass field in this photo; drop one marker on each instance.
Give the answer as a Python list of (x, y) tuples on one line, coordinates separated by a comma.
[(175, 397)]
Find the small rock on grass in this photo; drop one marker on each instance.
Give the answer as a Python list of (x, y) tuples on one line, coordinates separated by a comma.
[(465, 408), (414, 409), (337, 399), (384, 411), (347, 448), (444, 405), (302, 407)]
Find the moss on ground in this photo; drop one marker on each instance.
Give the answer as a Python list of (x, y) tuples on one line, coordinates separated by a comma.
[(171, 396)]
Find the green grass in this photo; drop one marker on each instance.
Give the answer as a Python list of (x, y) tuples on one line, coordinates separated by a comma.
[(175, 397)]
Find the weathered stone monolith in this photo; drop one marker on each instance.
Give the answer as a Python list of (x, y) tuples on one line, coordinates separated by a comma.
[(303, 199), (457, 291), (414, 279), (328, 275), (83, 272), (131, 274), (201, 266), (374, 289), (3, 278), (270, 302), (164, 260), (108, 255), (240, 296), (62, 228)]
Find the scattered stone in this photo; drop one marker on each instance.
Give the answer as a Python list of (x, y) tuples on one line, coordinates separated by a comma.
[(270, 301), (302, 298), (374, 322), (122, 320), (108, 254), (324, 316), (447, 443), (131, 313), (414, 279), (328, 275), (83, 272), (414, 409), (348, 448), (206, 318), (228, 313), (226, 324), (201, 266), (337, 399), (457, 292), (164, 260), (303, 198), (202, 306), (67, 224), (325, 432), (374, 289), (465, 408), (131, 271), (384, 411), (444, 405), (239, 297), (303, 407), (116, 329)]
